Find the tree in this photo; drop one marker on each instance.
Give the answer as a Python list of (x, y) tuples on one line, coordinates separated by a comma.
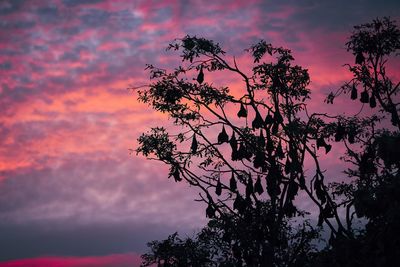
[(375, 188), (233, 171), (250, 173)]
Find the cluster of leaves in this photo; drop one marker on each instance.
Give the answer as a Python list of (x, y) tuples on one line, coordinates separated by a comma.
[(223, 242), (250, 173)]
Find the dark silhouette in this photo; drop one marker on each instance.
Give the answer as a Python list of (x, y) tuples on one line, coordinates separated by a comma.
[(249, 164), (374, 191)]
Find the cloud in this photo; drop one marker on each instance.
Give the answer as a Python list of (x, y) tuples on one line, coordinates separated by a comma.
[(73, 3), (67, 122), (66, 238), (10, 6), (115, 260)]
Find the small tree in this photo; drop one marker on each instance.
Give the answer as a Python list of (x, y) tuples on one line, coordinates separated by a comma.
[(373, 148)]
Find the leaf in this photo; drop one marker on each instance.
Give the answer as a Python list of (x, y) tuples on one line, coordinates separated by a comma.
[(223, 136), (351, 137), (176, 174), (328, 148), (340, 132), (321, 142), (360, 58)]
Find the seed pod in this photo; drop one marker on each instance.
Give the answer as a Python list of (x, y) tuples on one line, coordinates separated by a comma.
[(233, 142), (238, 203), (258, 121), (364, 97), (241, 153), (242, 112), (372, 101), (218, 188), (258, 187), (223, 136), (210, 211), (354, 92), (269, 119), (194, 145), (200, 76), (232, 183)]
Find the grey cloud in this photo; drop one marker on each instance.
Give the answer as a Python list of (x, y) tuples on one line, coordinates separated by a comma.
[(72, 3), (338, 15), (67, 238), (95, 18), (90, 207), (6, 65), (69, 30), (16, 25), (162, 15), (10, 6), (92, 190), (124, 20), (69, 56), (48, 14)]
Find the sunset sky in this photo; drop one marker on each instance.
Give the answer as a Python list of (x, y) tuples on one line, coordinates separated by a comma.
[(71, 194)]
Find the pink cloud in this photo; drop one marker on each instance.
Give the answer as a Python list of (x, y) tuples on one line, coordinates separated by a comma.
[(116, 260)]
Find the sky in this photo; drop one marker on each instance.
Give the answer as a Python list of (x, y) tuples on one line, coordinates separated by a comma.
[(71, 193)]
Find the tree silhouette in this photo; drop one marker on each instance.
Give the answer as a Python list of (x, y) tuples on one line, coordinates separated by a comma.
[(374, 190), (245, 148)]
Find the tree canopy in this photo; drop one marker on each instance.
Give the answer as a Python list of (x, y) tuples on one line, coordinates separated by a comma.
[(245, 150)]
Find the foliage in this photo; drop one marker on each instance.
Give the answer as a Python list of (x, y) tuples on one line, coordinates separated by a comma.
[(374, 192), (250, 173)]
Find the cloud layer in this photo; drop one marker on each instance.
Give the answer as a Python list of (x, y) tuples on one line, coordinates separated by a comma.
[(68, 185)]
